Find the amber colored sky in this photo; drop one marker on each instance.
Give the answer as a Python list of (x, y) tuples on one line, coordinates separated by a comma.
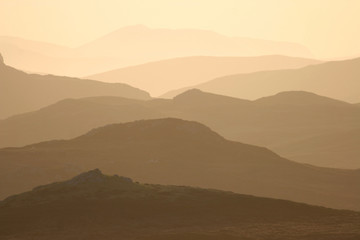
[(329, 28)]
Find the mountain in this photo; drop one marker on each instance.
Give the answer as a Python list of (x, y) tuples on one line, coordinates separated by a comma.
[(46, 58), (300, 98), (140, 43), (134, 45), (70, 118), (162, 76), (269, 121), (275, 122), (22, 92), (338, 149), (337, 80), (96, 206), (178, 152)]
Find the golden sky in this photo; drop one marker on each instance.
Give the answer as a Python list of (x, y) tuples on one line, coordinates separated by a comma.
[(329, 28)]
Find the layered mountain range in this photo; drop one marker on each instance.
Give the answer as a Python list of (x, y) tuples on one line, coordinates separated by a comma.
[(287, 122), (337, 79), (134, 45)]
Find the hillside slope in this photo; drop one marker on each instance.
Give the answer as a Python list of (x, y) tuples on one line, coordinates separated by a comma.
[(162, 76), (93, 205), (338, 80), (21, 92), (275, 122), (173, 151)]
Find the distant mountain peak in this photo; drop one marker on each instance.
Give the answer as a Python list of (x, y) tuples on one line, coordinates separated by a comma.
[(196, 96), (1, 60), (298, 98), (191, 91)]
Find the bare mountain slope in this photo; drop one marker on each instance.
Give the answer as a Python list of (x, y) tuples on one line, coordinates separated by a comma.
[(116, 208), (21, 92), (173, 151), (162, 76), (339, 80)]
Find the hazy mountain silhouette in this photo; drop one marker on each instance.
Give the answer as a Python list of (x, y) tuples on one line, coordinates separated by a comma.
[(162, 76), (21, 92), (278, 121), (71, 118), (300, 98), (337, 80), (96, 206), (338, 149), (40, 57), (173, 151), (275, 122), (146, 44), (134, 45)]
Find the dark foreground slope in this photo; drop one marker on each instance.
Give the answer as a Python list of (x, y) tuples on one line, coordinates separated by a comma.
[(173, 151), (21, 92), (95, 206)]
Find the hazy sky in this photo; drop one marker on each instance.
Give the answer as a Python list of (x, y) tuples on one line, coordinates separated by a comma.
[(329, 28)]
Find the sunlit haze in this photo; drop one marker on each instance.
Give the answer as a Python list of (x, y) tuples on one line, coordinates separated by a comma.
[(329, 28)]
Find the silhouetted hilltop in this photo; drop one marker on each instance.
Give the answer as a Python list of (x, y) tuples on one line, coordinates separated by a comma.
[(22, 92), (163, 130), (92, 204), (338, 80), (174, 151), (196, 97), (301, 98)]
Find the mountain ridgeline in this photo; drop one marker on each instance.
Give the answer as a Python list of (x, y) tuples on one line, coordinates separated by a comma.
[(162, 76), (278, 122), (21, 92), (135, 45), (337, 79)]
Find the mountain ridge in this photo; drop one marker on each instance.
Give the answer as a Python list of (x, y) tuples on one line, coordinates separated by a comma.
[(272, 125), (158, 77), (311, 78), (24, 92)]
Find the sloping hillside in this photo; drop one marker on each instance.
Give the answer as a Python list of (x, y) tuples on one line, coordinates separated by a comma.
[(21, 92), (93, 205), (173, 151)]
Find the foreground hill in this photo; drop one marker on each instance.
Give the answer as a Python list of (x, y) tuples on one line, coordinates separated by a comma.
[(95, 206), (337, 80), (21, 92), (162, 76), (173, 151), (276, 122)]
